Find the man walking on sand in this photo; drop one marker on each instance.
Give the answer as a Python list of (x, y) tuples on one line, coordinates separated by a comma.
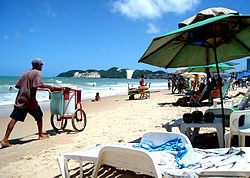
[(26, 101)]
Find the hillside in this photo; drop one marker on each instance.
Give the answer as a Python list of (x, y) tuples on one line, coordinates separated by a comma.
[(115, 72)]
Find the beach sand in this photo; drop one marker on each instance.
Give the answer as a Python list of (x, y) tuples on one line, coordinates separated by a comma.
[(113, 119)]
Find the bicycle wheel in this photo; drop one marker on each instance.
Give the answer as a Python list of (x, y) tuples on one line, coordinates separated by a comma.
[(79, 122), (56, 122)]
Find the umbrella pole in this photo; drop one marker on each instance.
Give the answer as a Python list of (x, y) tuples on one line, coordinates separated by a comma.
[(220, 85)]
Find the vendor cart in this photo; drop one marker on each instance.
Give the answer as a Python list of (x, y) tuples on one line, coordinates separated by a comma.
[(143, 91), (65, 103)]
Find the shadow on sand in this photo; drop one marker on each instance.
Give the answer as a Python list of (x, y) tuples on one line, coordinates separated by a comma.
[(23, 140)]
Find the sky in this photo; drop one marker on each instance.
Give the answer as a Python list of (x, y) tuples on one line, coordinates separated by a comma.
[(91, 34)]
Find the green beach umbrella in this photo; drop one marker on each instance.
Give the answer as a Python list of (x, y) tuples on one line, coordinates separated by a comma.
[(210, 68), (220, 39), (217, 39)]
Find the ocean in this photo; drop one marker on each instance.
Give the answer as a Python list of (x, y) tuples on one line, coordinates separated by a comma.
[(88, 86)]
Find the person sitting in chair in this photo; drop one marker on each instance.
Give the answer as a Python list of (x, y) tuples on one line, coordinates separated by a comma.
[(142, 82), (186, 99)]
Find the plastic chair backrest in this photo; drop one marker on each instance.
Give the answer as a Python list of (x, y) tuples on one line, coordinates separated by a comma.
[(234, 121), (158, 138), (129, 159), (203, 93), (247, 121)]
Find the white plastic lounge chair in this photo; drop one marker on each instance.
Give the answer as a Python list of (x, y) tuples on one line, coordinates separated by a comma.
[(91, 153), (235, 129), (239, 167), (137, 160), (140, 161)]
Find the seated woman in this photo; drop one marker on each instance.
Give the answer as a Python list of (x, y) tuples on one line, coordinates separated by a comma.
[(213, 89), (186, 99), (142, 82)]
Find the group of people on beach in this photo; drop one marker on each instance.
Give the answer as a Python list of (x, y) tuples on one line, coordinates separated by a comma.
[(211, 92)]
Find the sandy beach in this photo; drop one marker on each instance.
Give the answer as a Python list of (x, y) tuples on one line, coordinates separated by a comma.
[(113, 119)]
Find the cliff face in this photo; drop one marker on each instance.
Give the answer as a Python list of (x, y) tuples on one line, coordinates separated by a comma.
[(129, 74), (87, 75)]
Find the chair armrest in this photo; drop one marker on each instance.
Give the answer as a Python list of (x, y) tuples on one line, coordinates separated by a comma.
[(218, 111)]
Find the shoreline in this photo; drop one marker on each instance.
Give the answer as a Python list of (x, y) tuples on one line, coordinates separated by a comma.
[(6, 109), (113, 119)]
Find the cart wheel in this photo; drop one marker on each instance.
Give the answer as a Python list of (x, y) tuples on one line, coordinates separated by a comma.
[(78, 122), (56, 122)]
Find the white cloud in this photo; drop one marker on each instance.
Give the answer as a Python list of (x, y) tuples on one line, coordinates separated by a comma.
[(151, 9), (33, 29), (5, 37), (49, 11), (152, 29), (18, 35)]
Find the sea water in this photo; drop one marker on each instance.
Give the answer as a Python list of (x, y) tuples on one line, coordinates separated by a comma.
[(88, 86)]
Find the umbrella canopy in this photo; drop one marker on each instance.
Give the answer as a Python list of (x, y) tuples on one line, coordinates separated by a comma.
[(195, 44), (211, 68), (206, 14), (231, 63), (244, 74)]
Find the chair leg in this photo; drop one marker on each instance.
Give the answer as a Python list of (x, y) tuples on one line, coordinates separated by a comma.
[(227, 138), (194, 133), (81, 169), (173, 123), (242, 141), (96, 169)]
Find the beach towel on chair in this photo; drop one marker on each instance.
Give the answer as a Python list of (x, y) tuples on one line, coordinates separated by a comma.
[(184, 155)]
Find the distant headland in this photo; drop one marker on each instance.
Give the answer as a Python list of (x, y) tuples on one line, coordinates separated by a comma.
[(115, 72)]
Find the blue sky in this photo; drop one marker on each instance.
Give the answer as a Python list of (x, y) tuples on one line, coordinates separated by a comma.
[(91, 34)]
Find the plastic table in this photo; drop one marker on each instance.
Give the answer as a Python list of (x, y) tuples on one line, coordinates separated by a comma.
[(186, 127)]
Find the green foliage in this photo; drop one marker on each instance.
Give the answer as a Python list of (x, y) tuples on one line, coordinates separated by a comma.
[(115, 72), (150, 75)]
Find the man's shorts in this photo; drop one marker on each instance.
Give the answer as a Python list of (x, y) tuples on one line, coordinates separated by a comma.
[(20, 114)]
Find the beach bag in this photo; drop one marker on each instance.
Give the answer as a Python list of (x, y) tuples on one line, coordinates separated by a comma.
[(56, 102)]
